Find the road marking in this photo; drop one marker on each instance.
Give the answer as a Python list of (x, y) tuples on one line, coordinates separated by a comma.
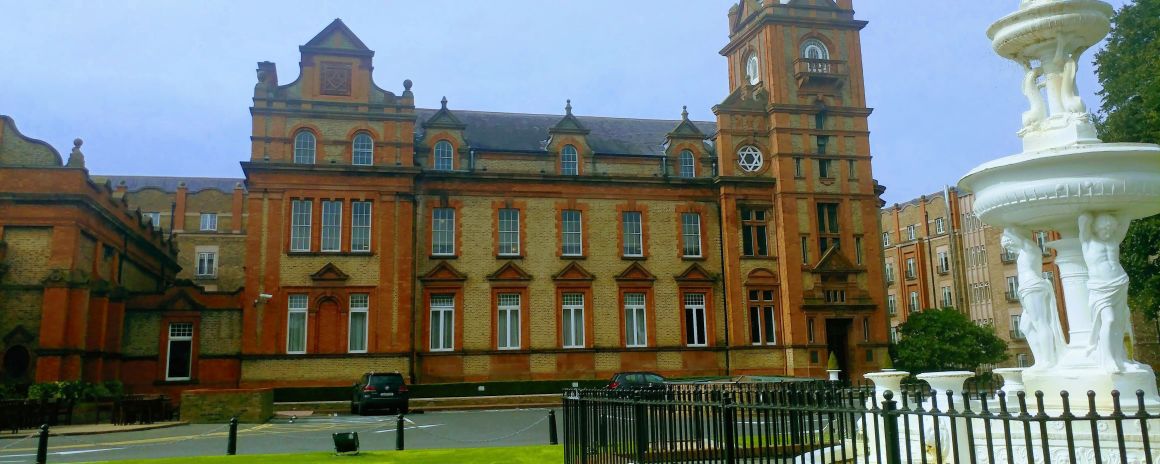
[(60, 453), (409, 428)]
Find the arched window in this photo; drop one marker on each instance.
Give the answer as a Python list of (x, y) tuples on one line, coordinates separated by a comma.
[(814, 49), (304, 147), (752, 70), (362, 150), (688, 166), (569, 162), (444, 156)]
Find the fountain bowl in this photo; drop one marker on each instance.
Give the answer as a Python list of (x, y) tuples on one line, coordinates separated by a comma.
[(1032, 31), (1048, 189)]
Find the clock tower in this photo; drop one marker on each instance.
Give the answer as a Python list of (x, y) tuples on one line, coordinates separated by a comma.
[(796, 190)]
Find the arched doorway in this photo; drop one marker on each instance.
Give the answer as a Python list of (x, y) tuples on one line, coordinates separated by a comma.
[(17, 361)]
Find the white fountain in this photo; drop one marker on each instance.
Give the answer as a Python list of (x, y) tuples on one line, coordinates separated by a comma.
[(1067, 180)]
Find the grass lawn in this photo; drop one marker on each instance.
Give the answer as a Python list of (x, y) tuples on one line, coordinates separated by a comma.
[(510, 455)]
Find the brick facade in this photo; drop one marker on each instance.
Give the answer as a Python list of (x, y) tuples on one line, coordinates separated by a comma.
[(452, 245)]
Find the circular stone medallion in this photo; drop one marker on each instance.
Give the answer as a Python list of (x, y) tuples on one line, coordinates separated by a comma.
[(749, 158)]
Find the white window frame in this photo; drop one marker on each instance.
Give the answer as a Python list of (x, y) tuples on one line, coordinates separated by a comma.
[(695, 320), (360, 304), (939, 226), (1013, 284), (508, 321), (362, 150), (568, 236), (301, 212), (569, 161), (360, 226), (913, 302), (948, 299), (305, 147), (891, 305), (444, 156), (509, 231), (331, 240), (178, 333), (154, 218), (886, 239), (691, 235), (443, 232), (206, 264), (208, 222), (631, 224), (572, 320), (635, 320), (296, 305), (442, 329), (911, 232), (911, 268), (688, 164), (944, 261)]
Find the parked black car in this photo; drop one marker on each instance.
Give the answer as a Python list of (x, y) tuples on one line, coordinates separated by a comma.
[(634, 380), (380, 391)]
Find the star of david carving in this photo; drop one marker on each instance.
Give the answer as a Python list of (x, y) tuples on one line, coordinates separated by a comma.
[(749, 158), (335, 79)]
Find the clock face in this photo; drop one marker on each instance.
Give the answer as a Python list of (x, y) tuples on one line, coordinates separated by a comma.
[(749, 159), (751, 70)]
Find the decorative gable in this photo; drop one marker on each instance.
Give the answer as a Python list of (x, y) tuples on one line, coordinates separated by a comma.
[(636, 272), (339, 39), (695, 273), (686, 129), (443, 272), (181, 301), (509, 272), (444, 119), (329, 273), (569, 124), (574, 272), (833, 261)]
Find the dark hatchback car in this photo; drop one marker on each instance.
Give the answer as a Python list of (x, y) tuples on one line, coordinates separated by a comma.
[(380, 391), (635, 380)]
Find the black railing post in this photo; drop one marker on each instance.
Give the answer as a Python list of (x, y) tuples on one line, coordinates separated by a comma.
[(729, 426), (890, 429), (640, 426), (399, 443), (42, 446), (232, 441), (552, 440), (583, 410)]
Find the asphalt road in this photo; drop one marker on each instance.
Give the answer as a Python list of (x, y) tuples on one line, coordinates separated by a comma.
[(453, 429)]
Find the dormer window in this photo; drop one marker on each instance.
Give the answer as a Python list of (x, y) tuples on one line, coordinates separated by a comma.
[(444, 156), (304, 144), (688, 164), (751, 69), (362, 150), (569, 161)]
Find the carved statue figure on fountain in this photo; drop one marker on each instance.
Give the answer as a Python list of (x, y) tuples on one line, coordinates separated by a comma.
[(1038, 111), (1100, 236), (1040, 319)]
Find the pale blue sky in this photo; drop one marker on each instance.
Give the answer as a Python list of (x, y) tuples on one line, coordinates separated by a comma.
[(164, 87)]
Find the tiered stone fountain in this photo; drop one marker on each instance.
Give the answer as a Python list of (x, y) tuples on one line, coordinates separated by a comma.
[(1066, 180)]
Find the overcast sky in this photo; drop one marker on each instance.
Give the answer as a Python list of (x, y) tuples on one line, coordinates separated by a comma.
[(164, 87)]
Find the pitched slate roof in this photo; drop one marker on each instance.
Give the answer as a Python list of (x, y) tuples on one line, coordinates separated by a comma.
[(169, 184), (521, 132)]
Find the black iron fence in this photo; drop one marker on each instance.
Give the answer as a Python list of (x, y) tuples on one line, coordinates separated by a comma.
[(821, 422)]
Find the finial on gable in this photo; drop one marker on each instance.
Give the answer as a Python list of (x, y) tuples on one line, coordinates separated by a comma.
[(444, 102), (568, 107), (684, 112), (76, 159)]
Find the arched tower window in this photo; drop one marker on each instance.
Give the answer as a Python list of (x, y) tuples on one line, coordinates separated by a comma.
[(362, 150), (688, 164), (814, 49), (304, 144), (569, 161), (444, 156), (752, 69)]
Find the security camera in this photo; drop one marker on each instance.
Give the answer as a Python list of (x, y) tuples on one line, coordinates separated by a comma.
[(262, 298)]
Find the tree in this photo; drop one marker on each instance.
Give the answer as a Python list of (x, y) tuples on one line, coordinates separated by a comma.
[(1129, 70), (946, 340)]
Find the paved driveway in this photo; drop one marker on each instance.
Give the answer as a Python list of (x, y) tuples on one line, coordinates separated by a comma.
[(451, 429)]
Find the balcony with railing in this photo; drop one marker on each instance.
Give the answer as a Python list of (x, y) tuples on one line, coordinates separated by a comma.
[(1007, 257), (1017, 334), (815, 72), (911, 275), (1012, 296), (943, 270)]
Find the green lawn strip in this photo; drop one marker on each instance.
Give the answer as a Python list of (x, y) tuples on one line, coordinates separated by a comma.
[(504, 455)]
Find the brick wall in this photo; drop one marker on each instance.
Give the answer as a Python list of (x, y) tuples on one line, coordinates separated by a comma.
[(307, 370), (252, 406), (29, 250)]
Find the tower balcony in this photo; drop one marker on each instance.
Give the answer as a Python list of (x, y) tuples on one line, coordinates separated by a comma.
[(819, 73)]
